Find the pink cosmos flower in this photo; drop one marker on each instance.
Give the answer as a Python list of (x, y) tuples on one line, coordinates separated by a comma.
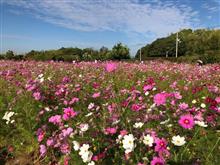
[(157, 161), (67, 132), (187, 121), (110, 67), (136, 107), (37, 95), (55, 119), (161, 145), (65, 148), (110, 108), (99, 156), (69, 113), (50, 142), (43, 150), (147, 87), (95, 95), (173, 85), (40, 135), (66, 160), (173, 102), (213, 88), (123, 132), (177, 95), (74, 100), (110, 130), (160, 99), (66, 80), (183, 106), (217, 99), (65, 102), (199, 116)]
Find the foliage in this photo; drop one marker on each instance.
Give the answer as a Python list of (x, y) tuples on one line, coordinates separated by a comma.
[(118, 52), (198, 42), (9, 54)]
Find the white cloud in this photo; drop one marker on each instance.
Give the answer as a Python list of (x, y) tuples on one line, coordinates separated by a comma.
[(127, 16), (212, 7)]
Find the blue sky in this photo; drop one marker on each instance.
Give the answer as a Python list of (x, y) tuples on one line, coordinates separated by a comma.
[(51, 24)]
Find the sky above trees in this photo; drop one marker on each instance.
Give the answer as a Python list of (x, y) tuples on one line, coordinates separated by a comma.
[(47, 24)]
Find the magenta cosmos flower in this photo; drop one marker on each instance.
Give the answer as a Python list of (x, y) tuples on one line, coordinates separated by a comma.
[(187, 121), (157, 161), (136, 107), (110, 67), (161, 145), (69, 113), (160, 99), (110, 130)]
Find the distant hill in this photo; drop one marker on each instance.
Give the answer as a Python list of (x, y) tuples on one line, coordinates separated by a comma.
[(192, 43)]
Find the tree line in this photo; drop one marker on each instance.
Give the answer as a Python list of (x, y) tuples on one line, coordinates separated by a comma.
[(201, 42), (118, 52)]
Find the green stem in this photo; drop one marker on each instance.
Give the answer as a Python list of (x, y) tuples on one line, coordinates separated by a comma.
[(213, 148), (189, 142)]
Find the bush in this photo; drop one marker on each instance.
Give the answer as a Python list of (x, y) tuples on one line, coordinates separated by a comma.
[(211, 57)]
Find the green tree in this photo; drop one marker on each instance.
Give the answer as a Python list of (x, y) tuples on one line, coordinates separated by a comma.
[(120, 51), (9, 55), (193, 43)]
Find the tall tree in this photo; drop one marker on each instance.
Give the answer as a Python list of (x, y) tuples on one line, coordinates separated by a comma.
[(120, 51)]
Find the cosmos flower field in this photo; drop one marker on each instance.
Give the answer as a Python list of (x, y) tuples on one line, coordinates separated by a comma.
[(104, 113)]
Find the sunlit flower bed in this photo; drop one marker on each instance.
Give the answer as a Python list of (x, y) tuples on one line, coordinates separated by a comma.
[(106, 113)]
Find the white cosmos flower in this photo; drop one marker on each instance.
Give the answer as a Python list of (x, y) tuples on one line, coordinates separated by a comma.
[(40, 78), (84, 148), (40, 75), (7, 116), (148, 140), (85, 154), (89, 114), (201, 123), (84, 127), (165, 121), (91, 105), (153, 106), (118, 140), (178, 141), (146, 93), (138, 125), (12, 121), (76, 145), (128, 143), (47, 109), (194, 101), (91, 163), (115, 122), (203, 105)]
